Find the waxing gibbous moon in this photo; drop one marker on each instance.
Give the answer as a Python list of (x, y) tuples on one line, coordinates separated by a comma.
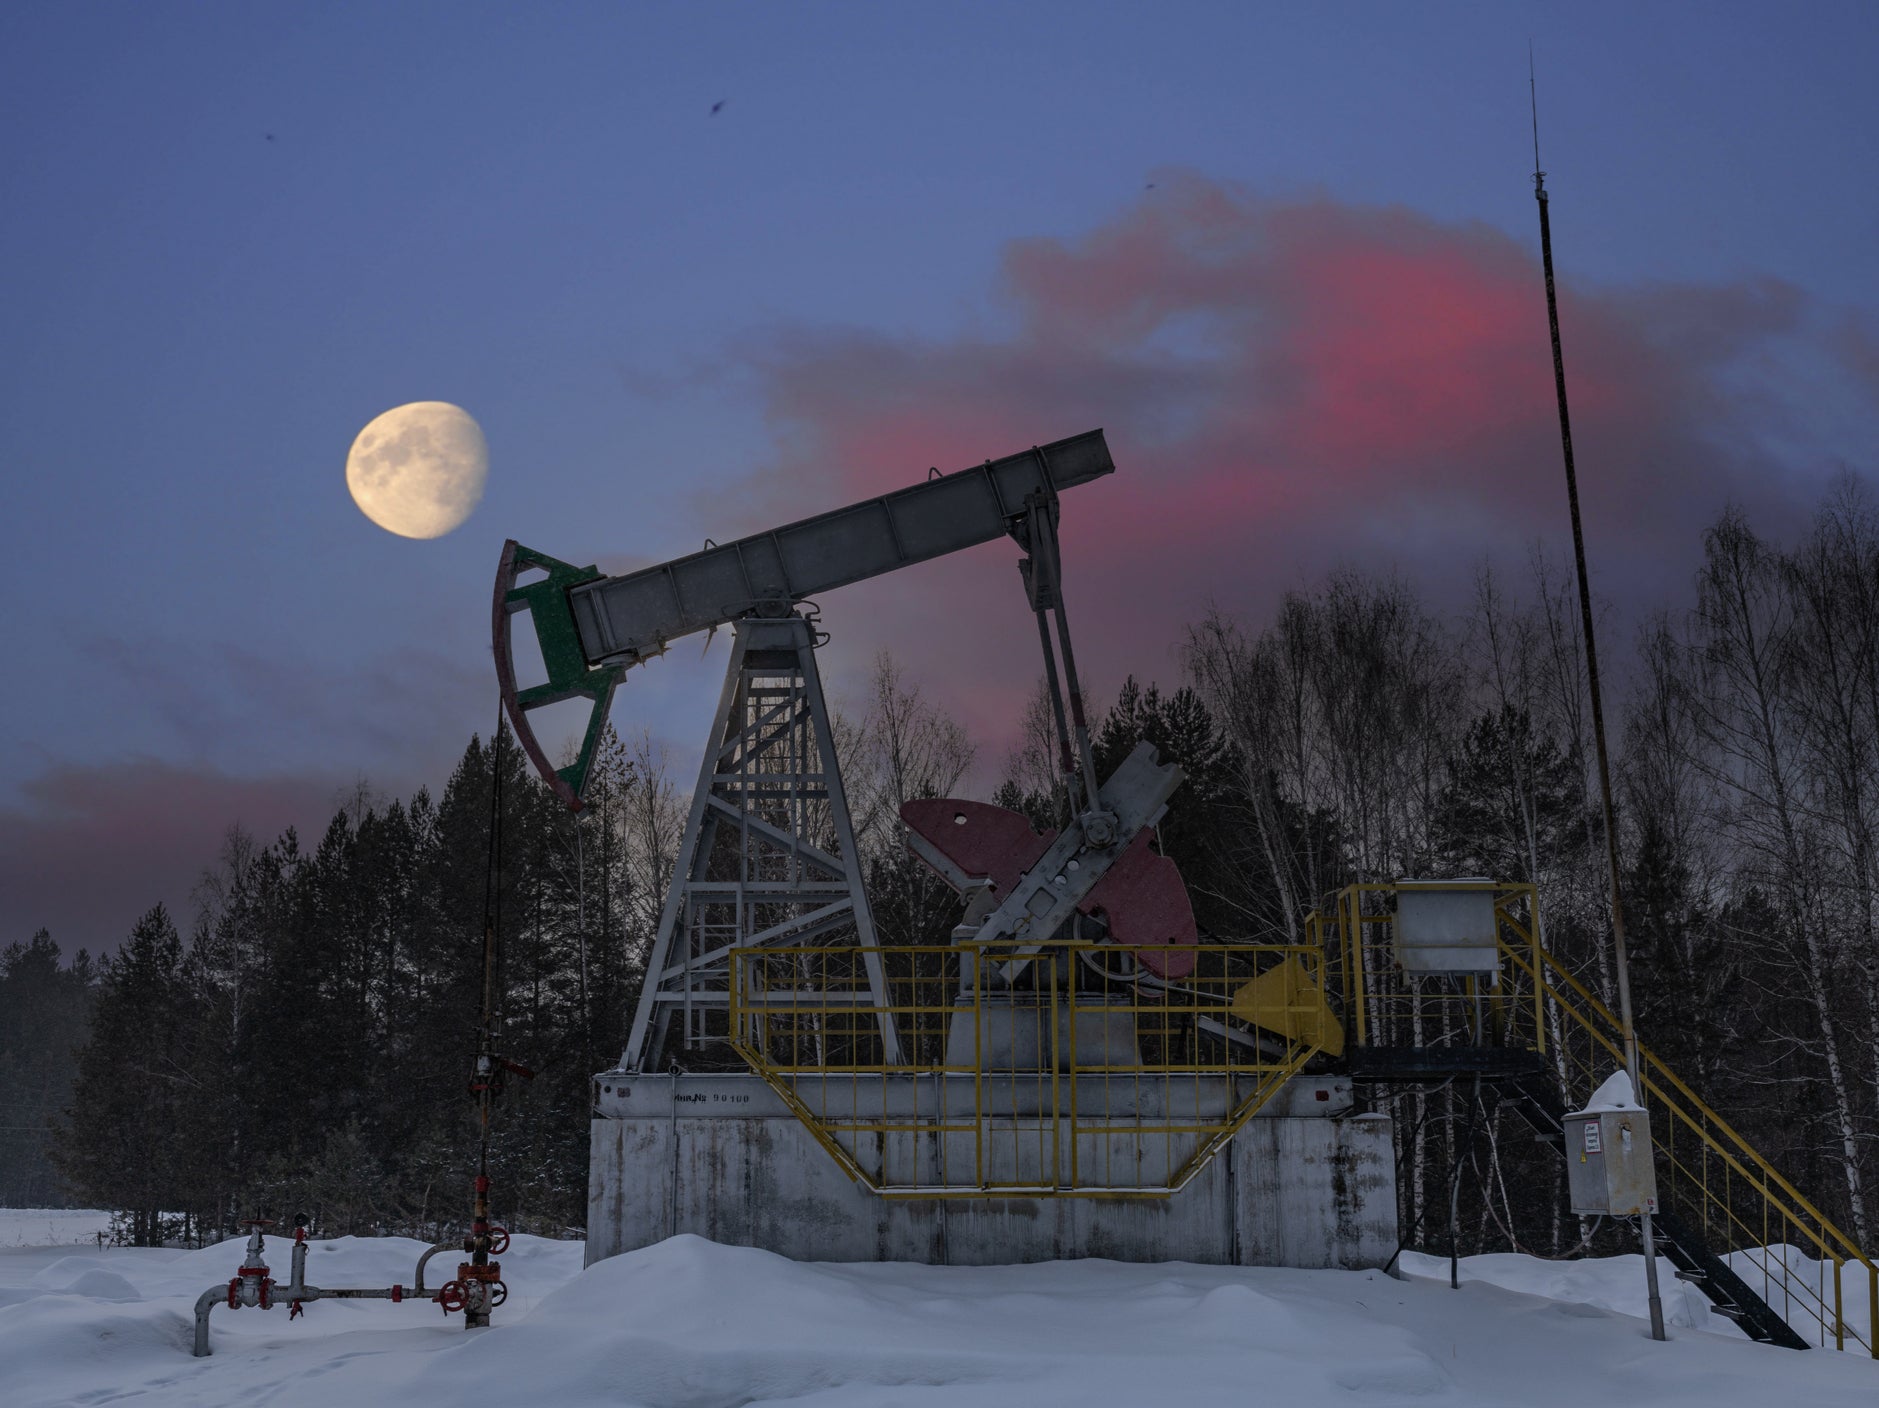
[(418, 470)]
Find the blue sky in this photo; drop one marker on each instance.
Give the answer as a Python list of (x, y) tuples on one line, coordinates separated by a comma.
[(232, 234)]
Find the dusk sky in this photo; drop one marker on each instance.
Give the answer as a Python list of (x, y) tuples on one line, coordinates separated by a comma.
[(1286, 255)]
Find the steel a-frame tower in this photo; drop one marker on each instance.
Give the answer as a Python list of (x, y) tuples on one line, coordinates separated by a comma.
[(768, 857)]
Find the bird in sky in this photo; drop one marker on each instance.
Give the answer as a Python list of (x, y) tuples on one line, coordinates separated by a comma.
[(717, 107), (270, 136)]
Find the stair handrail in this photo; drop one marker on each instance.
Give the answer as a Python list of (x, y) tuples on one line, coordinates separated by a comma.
[(1832, 1244), (1336, 926), (1846, 1244)]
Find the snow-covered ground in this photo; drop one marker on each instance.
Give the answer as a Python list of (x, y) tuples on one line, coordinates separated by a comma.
[(53, 1227), (689, 1324)]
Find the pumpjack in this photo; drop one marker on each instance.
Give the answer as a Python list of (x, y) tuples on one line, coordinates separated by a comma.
[(770, 776), (1077, 1072)]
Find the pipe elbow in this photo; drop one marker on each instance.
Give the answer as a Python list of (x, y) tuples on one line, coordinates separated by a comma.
[(206, 1302)]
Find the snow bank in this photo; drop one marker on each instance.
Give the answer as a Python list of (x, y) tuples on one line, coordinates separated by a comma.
[(690, 1324), (726, 1325), (1604, 1283), (1800, 1286)]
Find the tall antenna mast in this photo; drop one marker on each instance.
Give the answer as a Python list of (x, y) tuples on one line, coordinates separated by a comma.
[(1533, 100), (1619, 950)]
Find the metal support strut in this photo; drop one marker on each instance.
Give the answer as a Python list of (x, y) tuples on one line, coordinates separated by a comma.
[(768, 857)]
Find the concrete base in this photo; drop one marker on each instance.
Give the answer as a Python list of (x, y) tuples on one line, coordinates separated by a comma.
[(725, 1161)]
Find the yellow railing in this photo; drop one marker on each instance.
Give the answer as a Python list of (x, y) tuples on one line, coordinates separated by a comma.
[(1069, 1069), (1776, 1240), (1386, 1006)]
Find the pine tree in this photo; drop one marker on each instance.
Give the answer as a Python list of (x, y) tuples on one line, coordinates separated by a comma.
[(1511, 798), (134, 1084), (44, 1013), (1197, 830)]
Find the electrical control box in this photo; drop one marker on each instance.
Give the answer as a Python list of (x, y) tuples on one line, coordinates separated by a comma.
[(1609, 1164), (1447, 926)]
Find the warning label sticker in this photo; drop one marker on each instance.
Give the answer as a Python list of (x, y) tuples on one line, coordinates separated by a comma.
[(1592, 1145)]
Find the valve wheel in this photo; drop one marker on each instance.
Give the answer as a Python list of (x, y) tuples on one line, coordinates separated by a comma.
[(498, 1240), (498, 1293), (453, 1296)]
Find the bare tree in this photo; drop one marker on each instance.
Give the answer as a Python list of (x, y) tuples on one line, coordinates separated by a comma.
[(1745, 627), (1833, 581), (904, 748)]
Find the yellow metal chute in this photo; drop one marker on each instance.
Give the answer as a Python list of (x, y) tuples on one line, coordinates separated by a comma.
[(1284, 999)]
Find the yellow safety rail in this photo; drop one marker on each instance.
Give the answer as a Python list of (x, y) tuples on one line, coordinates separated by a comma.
[(1065, 1070), (1788, 1251), (1386, 1006), (1792, 1255)]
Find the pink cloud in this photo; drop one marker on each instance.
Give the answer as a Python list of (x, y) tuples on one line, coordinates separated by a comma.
[(1286, 386), (94, 846)]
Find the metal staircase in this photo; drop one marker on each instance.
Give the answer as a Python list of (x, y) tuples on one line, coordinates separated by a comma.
[(1525, 1085), (1535, 1097), (1730, 1224), (1728, 1293)]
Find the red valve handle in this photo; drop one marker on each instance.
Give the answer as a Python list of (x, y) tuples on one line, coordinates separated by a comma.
[(453, 1296), (498, 1240)]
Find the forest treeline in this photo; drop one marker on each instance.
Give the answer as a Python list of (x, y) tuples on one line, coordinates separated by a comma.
[(303, 1040)]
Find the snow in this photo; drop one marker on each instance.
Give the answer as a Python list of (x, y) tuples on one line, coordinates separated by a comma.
[(1617, 1093), (691, 1324), (1613, 1283), (53, 1227)]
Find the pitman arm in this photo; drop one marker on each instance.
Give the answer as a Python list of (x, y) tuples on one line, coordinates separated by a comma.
[(592, 627)]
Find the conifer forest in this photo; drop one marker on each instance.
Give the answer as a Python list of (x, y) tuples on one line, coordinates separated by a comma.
[(301, 1040)]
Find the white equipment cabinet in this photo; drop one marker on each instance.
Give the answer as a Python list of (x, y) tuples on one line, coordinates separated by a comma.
[(1608, 1161)]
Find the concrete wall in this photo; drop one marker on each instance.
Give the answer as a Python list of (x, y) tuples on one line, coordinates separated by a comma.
[(1287, 1191)]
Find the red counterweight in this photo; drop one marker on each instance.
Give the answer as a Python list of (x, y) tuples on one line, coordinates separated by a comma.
[(1141, 898)]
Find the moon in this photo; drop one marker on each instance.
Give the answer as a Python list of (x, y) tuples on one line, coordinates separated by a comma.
[(419, 469)]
